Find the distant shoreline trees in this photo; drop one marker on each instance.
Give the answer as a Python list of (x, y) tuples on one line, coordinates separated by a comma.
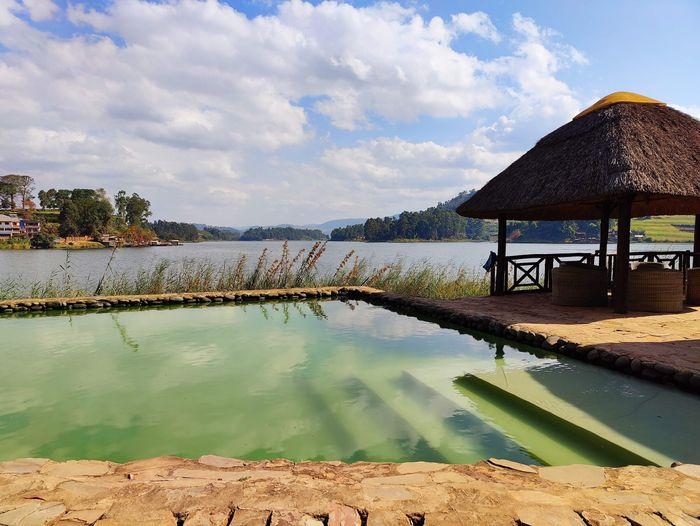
[(282, 233), (441, 223), (433, 224)]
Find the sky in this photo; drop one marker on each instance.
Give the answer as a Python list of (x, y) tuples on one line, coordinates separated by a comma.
[(259, 112)]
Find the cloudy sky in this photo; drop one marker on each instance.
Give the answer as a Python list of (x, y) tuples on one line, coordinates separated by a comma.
[(254, 112)]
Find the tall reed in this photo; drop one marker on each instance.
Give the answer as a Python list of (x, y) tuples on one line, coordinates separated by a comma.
[(199, 275)]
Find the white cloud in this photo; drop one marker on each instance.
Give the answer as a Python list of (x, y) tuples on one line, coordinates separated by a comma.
[(40, 10), (194, 103), (478, 23), (394, 171), (533, 68), (693, 110)]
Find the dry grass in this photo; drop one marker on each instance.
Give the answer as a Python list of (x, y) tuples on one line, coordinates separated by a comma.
[(299, 270)]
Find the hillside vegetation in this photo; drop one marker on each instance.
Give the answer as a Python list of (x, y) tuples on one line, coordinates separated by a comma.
[(665, 229)]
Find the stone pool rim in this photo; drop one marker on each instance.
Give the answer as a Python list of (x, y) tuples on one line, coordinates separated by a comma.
[(423, 308), (215, 490)]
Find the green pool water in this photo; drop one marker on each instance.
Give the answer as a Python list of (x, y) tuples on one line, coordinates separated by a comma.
[(317, 380)]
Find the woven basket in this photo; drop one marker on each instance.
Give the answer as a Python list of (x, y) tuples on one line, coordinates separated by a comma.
[(579, 286), (693, 286), (655, 290), (650, 266)]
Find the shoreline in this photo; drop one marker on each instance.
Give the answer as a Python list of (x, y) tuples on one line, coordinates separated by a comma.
[(398, 242)]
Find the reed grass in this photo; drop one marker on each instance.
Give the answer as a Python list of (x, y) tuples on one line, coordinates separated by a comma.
[(422, 279)]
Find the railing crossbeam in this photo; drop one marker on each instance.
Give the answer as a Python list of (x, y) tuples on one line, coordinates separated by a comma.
[(533, 272)]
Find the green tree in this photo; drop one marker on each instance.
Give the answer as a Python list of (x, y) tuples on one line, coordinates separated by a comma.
[(25, 188), (86, 213), (23, 185), (174, 230), (138, 210), (7, 194), (120, 202), (10, 189), (61, 197), (44, 239)]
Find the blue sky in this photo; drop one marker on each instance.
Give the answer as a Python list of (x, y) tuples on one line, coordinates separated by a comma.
[(258, 112)]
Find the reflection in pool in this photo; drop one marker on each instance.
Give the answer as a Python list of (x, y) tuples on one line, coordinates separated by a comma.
[(316, 380)]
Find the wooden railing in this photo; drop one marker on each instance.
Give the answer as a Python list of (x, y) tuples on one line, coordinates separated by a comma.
[(533, 272)]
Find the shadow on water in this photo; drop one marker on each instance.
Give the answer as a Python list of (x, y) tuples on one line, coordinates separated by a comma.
[(557, 429), (659, 417)]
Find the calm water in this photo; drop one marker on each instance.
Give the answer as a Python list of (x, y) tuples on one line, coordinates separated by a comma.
[(315, 380), (87, 266)]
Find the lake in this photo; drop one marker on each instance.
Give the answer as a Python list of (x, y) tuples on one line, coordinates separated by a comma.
[(87, 266)]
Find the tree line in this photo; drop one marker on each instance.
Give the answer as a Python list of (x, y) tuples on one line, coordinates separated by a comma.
[(441, 222), (81, 212), (190, 232), (282, 233), (436, 223)]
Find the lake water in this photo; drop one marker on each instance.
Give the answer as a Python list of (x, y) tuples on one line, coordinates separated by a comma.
[(317, 380), (86, 266)]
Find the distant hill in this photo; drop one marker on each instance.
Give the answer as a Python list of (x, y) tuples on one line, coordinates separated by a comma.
[(665, 229), (433, 224), (454, 203)]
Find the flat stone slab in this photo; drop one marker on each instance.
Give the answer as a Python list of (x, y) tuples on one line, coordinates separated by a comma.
[(77, 468), (284, 493), (575, 475), (509, 464), (23, 465), (692, 470), (220, 462)]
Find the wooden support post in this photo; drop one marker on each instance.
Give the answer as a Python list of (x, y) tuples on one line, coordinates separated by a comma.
[(622, 263), (604, 227), (501, 271), (696, 241)]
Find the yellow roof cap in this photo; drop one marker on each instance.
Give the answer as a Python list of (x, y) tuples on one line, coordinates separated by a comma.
[(619, 96)]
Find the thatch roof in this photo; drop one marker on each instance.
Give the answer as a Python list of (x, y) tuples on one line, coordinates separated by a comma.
[(647, 151)]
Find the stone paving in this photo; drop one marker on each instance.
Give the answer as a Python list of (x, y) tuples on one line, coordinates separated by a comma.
[(217, 491)]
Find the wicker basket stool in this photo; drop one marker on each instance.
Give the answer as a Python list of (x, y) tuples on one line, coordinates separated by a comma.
[(579, 286), (693, 286), (655, 290)]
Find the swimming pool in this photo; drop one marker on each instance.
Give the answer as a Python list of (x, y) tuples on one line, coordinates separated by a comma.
[(317, 380)]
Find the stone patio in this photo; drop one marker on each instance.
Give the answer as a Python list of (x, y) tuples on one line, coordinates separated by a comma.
[(217, 491)]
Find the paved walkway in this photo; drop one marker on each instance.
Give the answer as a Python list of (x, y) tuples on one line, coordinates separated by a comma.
[(673, 339), (217, 491)]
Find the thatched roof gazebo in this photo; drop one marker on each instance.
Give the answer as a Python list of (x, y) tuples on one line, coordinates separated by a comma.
[(626, 156)]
